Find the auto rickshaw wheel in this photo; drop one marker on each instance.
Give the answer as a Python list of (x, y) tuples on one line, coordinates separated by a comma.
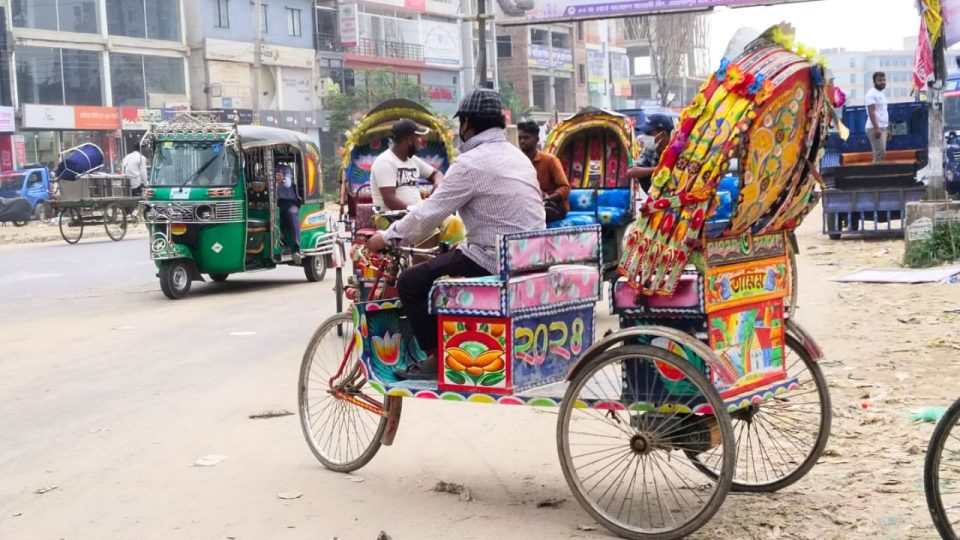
[(218, 277), (315, 268), (175, 279), (71, 225)]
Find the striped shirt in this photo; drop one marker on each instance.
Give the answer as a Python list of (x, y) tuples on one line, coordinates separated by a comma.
[(493, 186)]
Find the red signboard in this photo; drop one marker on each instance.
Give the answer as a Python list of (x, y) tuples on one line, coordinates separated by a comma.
[(96, 118)]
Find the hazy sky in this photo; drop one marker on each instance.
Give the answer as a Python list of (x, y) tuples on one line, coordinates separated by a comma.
[(853, 24)]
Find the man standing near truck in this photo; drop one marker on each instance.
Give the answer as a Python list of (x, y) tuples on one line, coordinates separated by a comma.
[(878, 122)]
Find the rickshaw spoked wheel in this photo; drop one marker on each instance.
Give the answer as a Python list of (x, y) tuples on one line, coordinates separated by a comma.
[(342, 426), (315, 268), (780, 440), (941, 471), (71, 225), (175, 278), (338, 293), (624, 424), (115, 221)]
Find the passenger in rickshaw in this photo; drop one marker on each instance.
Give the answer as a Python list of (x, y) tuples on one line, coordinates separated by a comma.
[(656, 136), (395, 174), (494, 188), (289, 204), (553, 181)]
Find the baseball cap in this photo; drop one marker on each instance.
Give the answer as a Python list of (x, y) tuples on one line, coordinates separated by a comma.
[(481, 102), (656, 122), (406, 127)]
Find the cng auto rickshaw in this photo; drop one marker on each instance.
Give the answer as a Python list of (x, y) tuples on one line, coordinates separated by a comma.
[(211, 206)]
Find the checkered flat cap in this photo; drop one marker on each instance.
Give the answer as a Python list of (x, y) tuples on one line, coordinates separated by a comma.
[(482, 102)]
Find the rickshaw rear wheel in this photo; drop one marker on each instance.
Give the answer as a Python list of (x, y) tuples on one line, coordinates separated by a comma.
[(622, 449), (175, 279), (115, 221), (937, 473), (342, 435), (71, 225), (780, 440), (219, 277), (338, 292), (315, 268)]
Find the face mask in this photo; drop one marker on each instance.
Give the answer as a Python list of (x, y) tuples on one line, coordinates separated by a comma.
[(649, 141)]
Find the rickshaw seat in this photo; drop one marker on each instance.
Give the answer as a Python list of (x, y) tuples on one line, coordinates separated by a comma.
[(537, 271), (256, 225), (686, 300), (607, 207)]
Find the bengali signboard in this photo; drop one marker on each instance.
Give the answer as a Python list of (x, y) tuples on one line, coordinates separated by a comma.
[(349, 25), (597, 70), (541, 56), (620, 74), (513, 12), (441, 44)]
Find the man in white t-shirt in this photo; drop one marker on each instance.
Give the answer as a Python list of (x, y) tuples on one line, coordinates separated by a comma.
[(135, 170), (878, 121), (396, 173)]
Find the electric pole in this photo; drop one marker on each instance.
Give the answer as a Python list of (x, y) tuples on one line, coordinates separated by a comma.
[(482, 35), (257, 59)]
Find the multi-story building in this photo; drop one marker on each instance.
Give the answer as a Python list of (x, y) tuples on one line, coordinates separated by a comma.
[(694, 65), (546, 65), (87, 69), (416, 40), (607, 65), (224, 75), (853, 71)]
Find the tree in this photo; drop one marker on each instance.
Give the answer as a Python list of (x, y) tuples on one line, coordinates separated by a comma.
[(375, 87), (671, 37), (512, 101)]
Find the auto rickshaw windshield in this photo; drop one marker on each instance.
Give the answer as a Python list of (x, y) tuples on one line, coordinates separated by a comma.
[(194, 164)]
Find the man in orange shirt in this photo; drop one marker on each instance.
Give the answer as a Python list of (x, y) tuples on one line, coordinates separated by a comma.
[(553, 181)]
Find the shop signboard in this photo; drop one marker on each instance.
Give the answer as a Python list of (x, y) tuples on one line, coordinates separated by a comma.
[(133, 118), (8, 122), (513, 12), (349, 25), (543, 57), (48, 116), (237, 116), (270, 118), (441, 44)]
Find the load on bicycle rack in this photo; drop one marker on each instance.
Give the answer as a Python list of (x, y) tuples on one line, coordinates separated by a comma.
[(707, 386), (367, 140), (87, 197)]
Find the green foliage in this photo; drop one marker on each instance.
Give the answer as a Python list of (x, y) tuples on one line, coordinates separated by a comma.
[(512, 101), (373, 88), (942, 246)]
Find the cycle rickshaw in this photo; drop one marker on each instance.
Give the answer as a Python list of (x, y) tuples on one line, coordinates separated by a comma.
[(708, 386)]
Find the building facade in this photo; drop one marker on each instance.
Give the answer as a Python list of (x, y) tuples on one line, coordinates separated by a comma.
[(92, 71), (853, 71), (221, 35), (694, 66), (546, 65)]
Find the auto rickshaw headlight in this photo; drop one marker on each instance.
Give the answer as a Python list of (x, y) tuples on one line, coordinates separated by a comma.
[(204, 212)]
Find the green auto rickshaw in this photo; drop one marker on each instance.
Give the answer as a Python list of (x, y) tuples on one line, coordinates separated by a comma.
[(211, 204)]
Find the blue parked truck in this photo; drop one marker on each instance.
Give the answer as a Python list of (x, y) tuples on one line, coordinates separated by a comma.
[(951, 127), (28, 190), (869, 199)]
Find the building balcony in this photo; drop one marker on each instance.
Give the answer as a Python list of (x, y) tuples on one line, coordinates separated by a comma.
[(375, 48), (328, 43)]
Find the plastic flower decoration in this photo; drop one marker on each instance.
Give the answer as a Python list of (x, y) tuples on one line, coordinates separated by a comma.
[(734, 77), (696, 107), (721, 73), (764, 94)]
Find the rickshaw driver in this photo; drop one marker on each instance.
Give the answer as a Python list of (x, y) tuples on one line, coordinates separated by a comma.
[(656, 136), (395, 174), (494, 187), (289, 204)]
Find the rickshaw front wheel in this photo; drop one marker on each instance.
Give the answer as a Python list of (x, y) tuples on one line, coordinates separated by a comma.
[(315, 268), (175, 279), (341, 429)]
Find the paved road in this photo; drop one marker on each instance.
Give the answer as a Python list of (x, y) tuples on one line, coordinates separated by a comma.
[(110, 392)]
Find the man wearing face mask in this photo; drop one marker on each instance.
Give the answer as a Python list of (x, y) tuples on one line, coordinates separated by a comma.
[(396, 173), (494, 188), (656, 136)]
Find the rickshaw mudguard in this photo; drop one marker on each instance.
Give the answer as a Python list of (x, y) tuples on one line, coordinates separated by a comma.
[(681, 338), (393, 405), (797, 332)]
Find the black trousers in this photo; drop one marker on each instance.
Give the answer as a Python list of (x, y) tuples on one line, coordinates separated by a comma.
[(414, 286), (555, 212)]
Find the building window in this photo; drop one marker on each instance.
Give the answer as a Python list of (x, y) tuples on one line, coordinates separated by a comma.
[(152, 19), (504, 47), (58, 76), (134, 78), (264, 28), (539, 37), (293, 22), (62, 15), (579, 30), (541, 86), (223, 13), (560, 40), (853, 62), (853, 78), (581, 73), (327, 29)]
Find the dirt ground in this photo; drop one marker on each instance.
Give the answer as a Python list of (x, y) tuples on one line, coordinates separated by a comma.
[(49, 231), (890, 350)]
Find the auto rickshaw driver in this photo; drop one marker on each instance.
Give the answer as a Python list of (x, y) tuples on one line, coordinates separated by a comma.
[(288, 203)]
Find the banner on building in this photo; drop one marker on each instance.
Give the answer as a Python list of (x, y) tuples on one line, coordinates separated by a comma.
[(543, 57), (441, 44), (270, 55), (133, 118), (8, 122), (620, 74), (514, 12), (597, 70), (349, 25)]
